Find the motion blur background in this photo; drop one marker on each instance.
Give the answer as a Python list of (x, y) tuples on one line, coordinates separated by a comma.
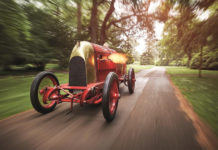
[(166, 32), (39, 34)]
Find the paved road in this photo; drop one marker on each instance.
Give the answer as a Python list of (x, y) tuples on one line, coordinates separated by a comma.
[(150, 118)]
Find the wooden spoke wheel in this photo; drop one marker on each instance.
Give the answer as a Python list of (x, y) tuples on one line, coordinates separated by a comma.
[(111, 96), (41, 90)]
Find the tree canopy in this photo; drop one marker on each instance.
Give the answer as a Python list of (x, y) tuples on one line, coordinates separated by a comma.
[(41, 31), (186, 37)]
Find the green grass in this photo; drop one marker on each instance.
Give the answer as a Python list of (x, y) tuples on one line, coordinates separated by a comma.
[(15, 93), (186, 71), (202, 93), (52, 67), (137, 67), (28, 69)]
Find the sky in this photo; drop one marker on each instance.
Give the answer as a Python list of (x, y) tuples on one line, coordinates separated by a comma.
[(158, 28), (203, 15)]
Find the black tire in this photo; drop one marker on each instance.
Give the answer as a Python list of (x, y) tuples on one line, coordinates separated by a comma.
[(131, 83), (110, 79), (34, 92)]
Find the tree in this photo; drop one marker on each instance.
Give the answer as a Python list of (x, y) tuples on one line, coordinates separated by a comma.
[(57, 31), (190, 35), (147, 59), (79, 15), (38, 44), (100, 29), (14, 32)]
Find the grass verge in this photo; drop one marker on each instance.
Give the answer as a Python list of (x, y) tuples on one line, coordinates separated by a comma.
[(202, 93), (137, 67), (15, 93)]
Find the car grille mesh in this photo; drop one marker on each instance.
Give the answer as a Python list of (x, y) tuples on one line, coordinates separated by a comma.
[(77, 72)]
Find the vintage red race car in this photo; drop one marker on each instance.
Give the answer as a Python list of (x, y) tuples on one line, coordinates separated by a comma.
[(95, 73)]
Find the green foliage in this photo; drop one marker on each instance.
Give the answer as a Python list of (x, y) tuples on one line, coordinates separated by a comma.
[(171, 47), (213, 66), (185, 35), (179, 62), (14, 33), (38, 45), (195, 63), (36, 33), (39, 31), (163, 62), (147, 59), (130, 58), (210, 60)]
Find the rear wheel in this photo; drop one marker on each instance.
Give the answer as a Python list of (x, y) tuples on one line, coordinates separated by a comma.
[(131, 80), (111, 96), (40, 90)]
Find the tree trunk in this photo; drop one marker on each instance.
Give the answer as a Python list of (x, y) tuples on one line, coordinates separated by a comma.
[(79, 24), (103, 35), (189, 59), (201, 60), (93, 22)]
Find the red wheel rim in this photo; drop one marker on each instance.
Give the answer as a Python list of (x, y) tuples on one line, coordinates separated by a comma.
[(46, 84), (114, 96)]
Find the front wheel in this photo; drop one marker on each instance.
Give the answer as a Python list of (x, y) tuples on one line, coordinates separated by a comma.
[(40, 89), (111, 96), (131, 80)]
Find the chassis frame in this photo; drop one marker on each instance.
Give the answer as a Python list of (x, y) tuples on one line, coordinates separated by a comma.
[(80, 93)]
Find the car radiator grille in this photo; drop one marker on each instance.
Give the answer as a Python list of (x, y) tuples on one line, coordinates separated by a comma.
[(77, 72)]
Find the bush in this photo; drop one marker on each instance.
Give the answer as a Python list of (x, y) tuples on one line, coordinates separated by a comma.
[(147, 59), (213, 66), (184, 61), (195, 61), (29, 67), (130, 59), (210, 60), (173, 63), (163, 62)]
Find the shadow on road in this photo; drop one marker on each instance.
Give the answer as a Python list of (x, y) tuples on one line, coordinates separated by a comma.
[(62, 112)]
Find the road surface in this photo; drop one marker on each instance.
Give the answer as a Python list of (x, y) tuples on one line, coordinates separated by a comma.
[(151, 118)]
